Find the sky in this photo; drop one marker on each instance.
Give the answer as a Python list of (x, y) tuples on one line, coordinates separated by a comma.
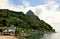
[(47, 10)]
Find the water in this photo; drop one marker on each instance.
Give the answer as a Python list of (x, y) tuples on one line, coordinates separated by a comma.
[(51, 36), (46, 36)]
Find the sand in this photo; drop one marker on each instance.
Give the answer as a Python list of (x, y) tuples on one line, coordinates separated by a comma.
[(8, 37)]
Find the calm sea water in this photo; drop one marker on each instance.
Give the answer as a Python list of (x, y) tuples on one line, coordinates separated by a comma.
[(51, 36), (46, 36)]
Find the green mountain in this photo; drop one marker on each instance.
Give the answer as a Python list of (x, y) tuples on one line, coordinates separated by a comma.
[(22, 21)]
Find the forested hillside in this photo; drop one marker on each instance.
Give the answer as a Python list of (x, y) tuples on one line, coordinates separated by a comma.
[(22, 21)]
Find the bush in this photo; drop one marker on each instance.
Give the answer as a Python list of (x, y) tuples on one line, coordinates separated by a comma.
[(1, 29)]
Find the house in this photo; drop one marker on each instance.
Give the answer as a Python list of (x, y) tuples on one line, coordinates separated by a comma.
[(10, 30)]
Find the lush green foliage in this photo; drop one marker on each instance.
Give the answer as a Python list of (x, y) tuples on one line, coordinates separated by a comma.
[(1, 29), (22, 21)]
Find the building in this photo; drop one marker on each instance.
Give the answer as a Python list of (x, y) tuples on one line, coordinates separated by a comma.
[(10, 30)]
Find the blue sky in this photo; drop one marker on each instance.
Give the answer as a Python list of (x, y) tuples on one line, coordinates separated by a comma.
[(32, 2), (16, 2), (49, 13), (47, 10)]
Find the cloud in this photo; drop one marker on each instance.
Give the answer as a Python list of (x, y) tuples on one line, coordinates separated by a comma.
[(47, 12), (50, 16), (25, 3), (53, 5), (5, 4)]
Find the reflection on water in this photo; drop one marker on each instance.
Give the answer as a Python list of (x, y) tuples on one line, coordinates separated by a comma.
[(51, 36), (45, 36), (34, 36)]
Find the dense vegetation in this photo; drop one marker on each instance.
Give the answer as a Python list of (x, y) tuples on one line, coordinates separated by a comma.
[(22, 21)]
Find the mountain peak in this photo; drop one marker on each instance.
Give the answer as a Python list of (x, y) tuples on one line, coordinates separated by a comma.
[(31, 14)]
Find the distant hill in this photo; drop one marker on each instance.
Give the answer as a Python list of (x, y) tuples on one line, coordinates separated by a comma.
[(21, 20)]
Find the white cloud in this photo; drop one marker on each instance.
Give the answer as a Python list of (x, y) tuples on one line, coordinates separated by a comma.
[(53, 5), (50, 16), (25, 3), (5, 4)]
